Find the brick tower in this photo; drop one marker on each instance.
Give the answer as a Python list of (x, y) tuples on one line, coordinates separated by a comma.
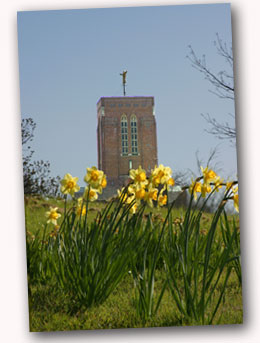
[(126, 136)]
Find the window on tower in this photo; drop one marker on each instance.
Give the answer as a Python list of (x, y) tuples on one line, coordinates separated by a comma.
[(124, 135), (134, 141)]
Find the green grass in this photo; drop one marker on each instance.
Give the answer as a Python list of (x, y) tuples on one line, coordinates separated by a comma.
[(55, 308), (51, 310), (36, 207)]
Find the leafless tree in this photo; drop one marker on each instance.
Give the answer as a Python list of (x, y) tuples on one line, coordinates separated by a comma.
[(36, 174), (223, 87), (181, 177), (211, 162)]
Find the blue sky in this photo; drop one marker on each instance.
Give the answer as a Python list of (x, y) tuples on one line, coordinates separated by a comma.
[(69, 59)]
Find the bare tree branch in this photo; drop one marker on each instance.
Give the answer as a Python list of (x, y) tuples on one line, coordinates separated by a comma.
[(222, 80), (223, 83), (211, 161), (220, 130), (180, 177), (224, 51)]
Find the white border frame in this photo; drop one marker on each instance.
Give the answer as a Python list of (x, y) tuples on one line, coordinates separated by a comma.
[(14, 307)]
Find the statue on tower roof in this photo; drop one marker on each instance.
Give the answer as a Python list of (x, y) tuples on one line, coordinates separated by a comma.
[(123, 74)]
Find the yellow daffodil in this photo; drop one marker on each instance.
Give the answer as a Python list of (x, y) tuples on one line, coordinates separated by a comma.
[(171, 182), (104, 182), (229, 185), (128, 195), (151, 195), (120, 195), (102, 185), (69, 185), (133, 208), (235, 190), (80, 210), (139, 176), (52, 215), (235, 197), (162, 175), (91, 193), (162, 199), (218, 183), (134, 191), (95, 178), (205, 188), (236, 201), (195, 187), (208, 175), (140, 193)]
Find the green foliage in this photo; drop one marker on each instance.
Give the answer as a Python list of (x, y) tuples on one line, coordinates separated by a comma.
[(143, 271), (91, 259), (195, 264), (228, 231), (184, 265)]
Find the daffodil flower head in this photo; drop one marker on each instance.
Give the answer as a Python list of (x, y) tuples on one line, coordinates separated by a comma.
[(79, 201), (195, 188), (81, 209), (235, 196), (81, 212), (52, 215), (104, 182), (138, 176), (133, 208), (140, 193), (127, 196), (162, 198), (102, 185), (218, 183), (171, 182), (90, 193), (208, 175), (151, 195), (235, 189), (229, 185), (205, 188), (236, 201), (95, 178), (69, 185), (162, 175), (122, 194)]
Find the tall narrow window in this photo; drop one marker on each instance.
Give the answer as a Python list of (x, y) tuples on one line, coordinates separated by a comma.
[(124, 135), (134, 142)]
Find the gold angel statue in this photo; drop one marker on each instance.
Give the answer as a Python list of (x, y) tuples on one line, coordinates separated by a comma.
[(124, 76)]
